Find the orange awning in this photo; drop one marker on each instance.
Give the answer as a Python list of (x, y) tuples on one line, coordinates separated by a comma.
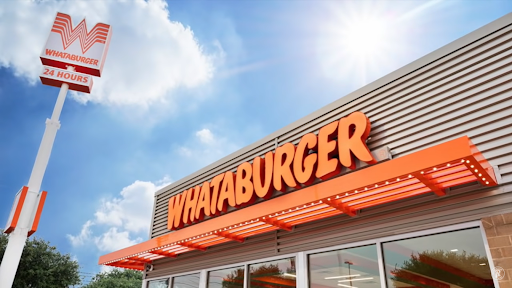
[(430, 170)]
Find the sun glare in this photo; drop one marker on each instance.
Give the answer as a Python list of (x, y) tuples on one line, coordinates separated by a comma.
[(357, 41), (363, 38)]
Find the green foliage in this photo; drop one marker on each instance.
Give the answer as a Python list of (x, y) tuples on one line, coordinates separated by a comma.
[(116, 279), (41, 265)]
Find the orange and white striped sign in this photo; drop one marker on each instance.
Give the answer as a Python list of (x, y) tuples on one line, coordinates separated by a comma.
[(78, 47)]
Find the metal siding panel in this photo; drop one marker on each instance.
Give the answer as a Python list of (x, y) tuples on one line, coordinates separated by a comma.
[(506, 168), (435, 107), (467, 127), (435, 86)]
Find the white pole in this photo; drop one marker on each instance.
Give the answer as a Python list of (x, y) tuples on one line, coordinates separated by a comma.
[(18, 237)]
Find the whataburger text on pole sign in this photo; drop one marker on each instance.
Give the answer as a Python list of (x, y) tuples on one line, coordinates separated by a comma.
[(290, 166), (67, 46)]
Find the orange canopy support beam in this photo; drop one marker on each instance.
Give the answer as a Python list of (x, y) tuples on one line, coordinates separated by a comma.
[(430, 170)]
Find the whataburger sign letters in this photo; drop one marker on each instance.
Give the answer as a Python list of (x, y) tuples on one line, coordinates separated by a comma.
[(290, 166), (66, 46)]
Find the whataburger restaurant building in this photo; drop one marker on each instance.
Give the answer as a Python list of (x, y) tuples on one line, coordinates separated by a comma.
[(405, 182)]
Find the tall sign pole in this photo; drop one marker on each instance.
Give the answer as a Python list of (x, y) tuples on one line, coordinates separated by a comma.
[(70, 58)]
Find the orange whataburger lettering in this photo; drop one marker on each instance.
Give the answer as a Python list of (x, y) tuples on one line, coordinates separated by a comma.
[(189, 210), (227, 192), (352, 134), (327, 165), (316, 156), (304, 166), (175, 211), (215, 193), (262, 175), (203, 203), (282, 167), (244, 190), (72, 57)]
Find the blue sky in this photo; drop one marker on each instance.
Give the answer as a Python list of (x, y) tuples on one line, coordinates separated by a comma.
[(186, 83)]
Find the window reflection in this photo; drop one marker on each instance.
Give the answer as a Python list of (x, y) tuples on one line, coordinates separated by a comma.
[(226, 278), (454, 259), (186, 281), (354, 267), (161, 283), (273, 274)]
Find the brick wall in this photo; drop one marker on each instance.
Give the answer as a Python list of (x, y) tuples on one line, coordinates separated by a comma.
[(498, 229)]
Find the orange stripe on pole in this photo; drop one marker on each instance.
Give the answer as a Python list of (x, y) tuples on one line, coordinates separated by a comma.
[(17, 212), (39, 210)]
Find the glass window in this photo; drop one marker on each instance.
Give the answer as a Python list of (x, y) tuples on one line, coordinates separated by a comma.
[(186, 281), (160, 283), (226, 278), (273, 274), (353, 267), (452, 259)]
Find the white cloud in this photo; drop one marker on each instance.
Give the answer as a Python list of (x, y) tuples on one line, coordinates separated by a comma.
[(84, 235), (132, 210), (114, 240), (149, 56), (121, 221), (205, 148), (205, 136)]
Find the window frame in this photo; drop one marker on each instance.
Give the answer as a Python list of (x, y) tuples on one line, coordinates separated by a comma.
[(379, 241), (145, 283), (208, 271), (302, 257)]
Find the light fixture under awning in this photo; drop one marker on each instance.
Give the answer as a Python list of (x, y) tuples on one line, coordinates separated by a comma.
[(430, 170)]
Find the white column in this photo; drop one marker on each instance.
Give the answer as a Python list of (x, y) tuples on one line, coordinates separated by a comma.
[(203, 281), (18, 237), (301, 270)]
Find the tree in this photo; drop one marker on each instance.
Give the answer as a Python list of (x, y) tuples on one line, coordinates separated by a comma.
[(116, 279), (41, 265)]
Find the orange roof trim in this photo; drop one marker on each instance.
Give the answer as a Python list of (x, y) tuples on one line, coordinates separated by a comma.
[(430, 170)]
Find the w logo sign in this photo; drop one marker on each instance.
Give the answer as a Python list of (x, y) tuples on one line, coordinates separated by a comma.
[(77, 47), (64, 27)]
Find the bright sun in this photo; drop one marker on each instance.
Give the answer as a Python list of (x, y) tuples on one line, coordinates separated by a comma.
[(357, 41), (363, 38)]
